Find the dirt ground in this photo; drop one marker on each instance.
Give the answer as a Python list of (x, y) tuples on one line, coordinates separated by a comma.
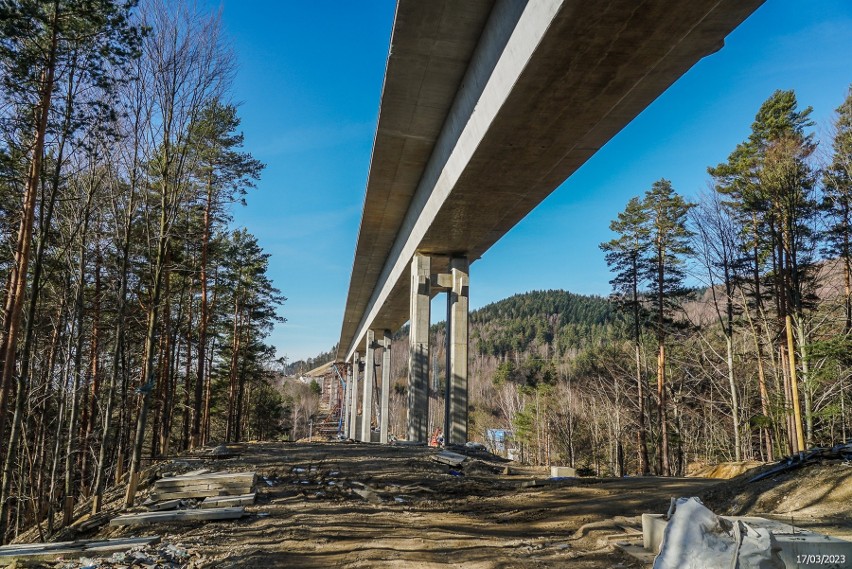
[(356, 505)]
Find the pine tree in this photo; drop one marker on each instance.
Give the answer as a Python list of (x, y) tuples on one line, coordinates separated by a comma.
[(837, 181), (664, 272), (224, 173), (625, 256)]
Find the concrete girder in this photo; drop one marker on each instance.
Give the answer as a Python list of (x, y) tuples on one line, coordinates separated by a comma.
[(547, 83)]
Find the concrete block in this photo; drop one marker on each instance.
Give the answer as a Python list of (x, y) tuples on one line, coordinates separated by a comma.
[(653, 526), (562, 472)]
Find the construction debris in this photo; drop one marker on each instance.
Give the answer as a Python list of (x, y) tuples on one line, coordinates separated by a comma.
[(162, 506), (221, 452), (562, 472), (837, 452), (66, 549), (223, 501), (449, 458), (173, 498), (196, 515), (198, 472), (693, 537), (203, 485)]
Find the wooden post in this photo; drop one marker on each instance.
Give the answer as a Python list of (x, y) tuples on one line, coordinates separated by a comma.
[(119, 467), (130, 496), (97, 503), (794, 385), (68, 513)]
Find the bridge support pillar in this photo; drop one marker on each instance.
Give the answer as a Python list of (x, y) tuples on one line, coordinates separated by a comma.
[(418, 354), (369, 381), (353, 399), (384, 420), (458, 331), (346, 404)]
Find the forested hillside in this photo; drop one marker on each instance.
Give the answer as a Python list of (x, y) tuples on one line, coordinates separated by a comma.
[(550, 320), (135, 315)]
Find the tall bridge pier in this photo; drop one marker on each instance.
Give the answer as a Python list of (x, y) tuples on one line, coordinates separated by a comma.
[(362, 383)]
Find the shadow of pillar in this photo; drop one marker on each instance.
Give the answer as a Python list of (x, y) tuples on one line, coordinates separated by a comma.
[(418, 363)]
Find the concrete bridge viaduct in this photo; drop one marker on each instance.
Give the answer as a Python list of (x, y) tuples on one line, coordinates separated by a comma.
[(487, 107)]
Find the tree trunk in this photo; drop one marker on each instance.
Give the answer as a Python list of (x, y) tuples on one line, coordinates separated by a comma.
[(735, 407), (232, 374), (203, 320), (802, 341), (18, 276), (644, 464), (148, 369), (94, 373), (71, 448)]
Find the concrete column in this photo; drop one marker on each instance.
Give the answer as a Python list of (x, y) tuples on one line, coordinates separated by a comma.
[(459, 305), (347, 398), (367, 403), (418, 352), (353, 399), (386, 364)]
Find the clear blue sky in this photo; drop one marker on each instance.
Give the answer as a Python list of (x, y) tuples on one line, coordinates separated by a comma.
[(309, 81)]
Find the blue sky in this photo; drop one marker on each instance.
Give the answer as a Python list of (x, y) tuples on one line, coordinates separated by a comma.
[(309, 82)]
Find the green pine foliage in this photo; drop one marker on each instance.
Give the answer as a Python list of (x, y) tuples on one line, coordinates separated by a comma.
[(553, 320)]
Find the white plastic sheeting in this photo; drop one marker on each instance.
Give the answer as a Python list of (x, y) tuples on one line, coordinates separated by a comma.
[(696, 538)]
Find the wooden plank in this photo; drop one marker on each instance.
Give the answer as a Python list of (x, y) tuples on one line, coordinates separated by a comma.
[(199, 493), (207, 489), (202, 481), (193, 483), (66, 549), (220, 501), (163, 505), (623, 536), (193, 473), (128, 542), (205, 486), (160, 496), (178, 516), (213, 476), (50, 545)]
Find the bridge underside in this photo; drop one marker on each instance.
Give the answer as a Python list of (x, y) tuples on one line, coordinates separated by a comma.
[(489, 106)]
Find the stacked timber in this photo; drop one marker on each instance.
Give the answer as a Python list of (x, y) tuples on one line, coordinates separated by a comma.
[(224, 494), (203, 485)]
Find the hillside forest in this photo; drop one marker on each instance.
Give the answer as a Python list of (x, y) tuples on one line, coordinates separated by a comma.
[(726, 335), (134, 315)]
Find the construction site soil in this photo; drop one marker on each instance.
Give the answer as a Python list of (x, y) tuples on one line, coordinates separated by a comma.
[(325, 505)]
